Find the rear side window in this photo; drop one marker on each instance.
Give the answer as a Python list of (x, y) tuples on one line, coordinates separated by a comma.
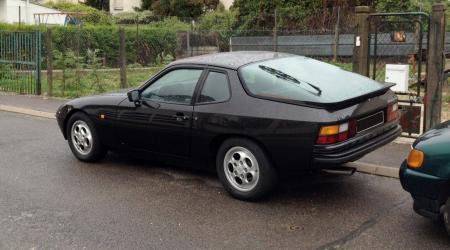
[(215, 89)]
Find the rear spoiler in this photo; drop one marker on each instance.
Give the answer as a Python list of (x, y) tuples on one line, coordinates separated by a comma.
[(358, 99), (335, 105)]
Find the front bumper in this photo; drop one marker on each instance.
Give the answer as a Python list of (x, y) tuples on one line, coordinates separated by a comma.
[(428, 192), (357, 147)]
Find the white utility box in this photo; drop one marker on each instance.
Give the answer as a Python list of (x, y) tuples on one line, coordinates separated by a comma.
[(398, 74)]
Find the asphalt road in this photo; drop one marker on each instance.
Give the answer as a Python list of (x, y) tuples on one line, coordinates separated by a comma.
[(49, 200)]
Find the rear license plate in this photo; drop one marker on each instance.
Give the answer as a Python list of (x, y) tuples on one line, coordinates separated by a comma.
[(370, 121)]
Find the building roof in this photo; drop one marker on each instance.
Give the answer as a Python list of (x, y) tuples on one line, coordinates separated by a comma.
[(231, 60)]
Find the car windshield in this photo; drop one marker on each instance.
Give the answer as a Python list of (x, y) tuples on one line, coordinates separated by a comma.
[(304, 79)]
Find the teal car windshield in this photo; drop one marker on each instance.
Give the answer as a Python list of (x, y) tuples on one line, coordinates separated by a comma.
[(304, 79)]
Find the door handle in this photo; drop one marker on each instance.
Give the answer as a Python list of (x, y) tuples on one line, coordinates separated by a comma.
[(181, 117)]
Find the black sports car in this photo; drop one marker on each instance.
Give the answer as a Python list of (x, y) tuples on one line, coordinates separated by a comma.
[(249, 115)]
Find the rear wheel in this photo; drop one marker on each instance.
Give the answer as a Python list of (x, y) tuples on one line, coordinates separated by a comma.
[(244, 169), (83, 138)]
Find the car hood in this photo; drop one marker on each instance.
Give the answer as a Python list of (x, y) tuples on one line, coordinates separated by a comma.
[(105, 99), (436, 138)]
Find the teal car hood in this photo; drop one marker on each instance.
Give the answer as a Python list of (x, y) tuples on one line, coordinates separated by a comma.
[(435, 144)]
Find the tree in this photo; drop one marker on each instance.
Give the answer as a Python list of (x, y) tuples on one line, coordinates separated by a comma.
[(98, 4), (180, 8)]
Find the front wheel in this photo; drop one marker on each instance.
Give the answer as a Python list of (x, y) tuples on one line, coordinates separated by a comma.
[(446, 216), (83, 138), (244, 169)]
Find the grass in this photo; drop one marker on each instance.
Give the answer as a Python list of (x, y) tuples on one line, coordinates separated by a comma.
[(87, 84)]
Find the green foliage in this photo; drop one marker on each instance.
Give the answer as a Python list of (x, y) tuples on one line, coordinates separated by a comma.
[(145, 16), (70, 64), (5, 71), (396, 6), (146, 46), (220, 22), (92, 15), (257, 15), (94, 63)]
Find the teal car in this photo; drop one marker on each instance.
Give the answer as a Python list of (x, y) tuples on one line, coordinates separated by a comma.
[(426, 173)]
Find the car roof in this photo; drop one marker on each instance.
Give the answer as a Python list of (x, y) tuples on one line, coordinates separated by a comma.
[(231, 60)]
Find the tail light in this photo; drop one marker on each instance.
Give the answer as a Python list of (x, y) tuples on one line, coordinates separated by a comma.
[(392, 112), (336, 133)]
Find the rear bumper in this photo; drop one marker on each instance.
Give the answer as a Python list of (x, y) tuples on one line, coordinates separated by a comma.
[(357, 147), (428, 192)]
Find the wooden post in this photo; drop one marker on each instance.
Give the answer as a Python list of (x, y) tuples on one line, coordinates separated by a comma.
[(49, 45), (336, 35), (188, 43), (137, 39), (361, 50), (435, 66), (275, 31), (122, 59)]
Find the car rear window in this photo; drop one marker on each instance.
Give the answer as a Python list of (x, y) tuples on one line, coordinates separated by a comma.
[(304, 79)]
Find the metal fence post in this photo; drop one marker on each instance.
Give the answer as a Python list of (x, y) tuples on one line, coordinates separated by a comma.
[(49, 46), (38, 61), (275, 31), (361, 49), (435, 66), (122, 59)]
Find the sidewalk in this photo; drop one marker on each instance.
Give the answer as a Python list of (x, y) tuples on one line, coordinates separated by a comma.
[(31, 102), (391, 155)]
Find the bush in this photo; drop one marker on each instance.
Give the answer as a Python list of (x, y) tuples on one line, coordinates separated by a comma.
[(93, 16), (132, 17), (220, 22), (148, 48)]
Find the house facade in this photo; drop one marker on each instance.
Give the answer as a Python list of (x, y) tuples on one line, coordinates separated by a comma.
[(118, 6), (19, 11)]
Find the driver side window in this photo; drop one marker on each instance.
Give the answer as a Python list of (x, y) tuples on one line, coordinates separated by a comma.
[(176, 86)]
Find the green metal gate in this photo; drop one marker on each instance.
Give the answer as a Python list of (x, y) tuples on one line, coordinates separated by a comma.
[(401, 39), (20, 62)]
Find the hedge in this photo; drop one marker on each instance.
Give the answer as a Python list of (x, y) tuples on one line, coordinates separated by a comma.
[(145, 47)]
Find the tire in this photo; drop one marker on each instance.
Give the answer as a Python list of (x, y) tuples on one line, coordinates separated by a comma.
[(446, 216), (245, 169), (83, 138)]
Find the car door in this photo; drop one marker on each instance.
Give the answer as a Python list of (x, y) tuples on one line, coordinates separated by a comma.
[(211, 113), (161, 122)]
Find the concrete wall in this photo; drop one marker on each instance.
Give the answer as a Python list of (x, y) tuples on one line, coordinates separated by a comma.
[(61, 1), (9, 13), (3, 17), (118, 6), (322, 45)]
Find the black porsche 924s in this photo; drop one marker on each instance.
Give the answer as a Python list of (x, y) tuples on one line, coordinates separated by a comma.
[(248, 115)]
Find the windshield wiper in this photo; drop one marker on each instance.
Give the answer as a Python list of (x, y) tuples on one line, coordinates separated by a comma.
[(280, 74)]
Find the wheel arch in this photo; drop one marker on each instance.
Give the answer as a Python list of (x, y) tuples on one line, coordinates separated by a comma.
[(217, 141), (67, 118)]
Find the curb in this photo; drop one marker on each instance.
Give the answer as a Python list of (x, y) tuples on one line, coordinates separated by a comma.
[(26, 111), (373, 169), (361, 167)]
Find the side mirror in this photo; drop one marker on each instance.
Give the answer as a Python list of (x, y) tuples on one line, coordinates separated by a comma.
[(134, 96)]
